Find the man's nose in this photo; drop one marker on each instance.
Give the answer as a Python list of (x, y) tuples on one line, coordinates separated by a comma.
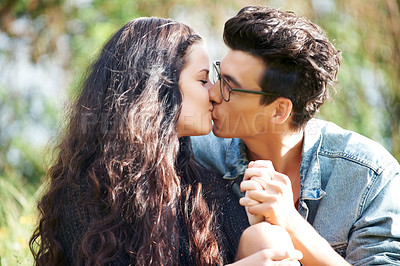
[(214, 93)]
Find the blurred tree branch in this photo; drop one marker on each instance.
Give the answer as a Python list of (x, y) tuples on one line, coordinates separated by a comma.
[(5, 15), (379, 25)]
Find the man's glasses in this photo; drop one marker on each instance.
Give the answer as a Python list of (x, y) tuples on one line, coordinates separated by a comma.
[(226, 89)]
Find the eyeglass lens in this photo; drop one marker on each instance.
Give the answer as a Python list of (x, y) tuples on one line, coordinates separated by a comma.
[(224, 86)]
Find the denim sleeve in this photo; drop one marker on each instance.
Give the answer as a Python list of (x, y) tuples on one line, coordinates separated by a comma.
[(375, 236), (210, 151)]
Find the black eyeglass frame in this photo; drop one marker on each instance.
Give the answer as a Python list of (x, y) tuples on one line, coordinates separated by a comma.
[(217, 67)]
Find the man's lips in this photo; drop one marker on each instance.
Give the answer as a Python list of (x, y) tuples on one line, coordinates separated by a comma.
[(213, 115)]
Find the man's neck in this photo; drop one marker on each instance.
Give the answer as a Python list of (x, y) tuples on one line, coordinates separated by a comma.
[(284, 150)]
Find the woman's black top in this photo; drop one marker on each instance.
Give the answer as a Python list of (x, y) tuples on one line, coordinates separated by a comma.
[(231, 217)]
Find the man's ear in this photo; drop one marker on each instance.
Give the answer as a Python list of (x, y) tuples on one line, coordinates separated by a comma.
[(282, 110)]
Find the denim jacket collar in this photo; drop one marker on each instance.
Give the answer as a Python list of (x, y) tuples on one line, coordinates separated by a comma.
[(236, 159), (310, 171)]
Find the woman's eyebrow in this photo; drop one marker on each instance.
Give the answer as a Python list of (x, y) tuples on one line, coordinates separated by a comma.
[(205, 69)]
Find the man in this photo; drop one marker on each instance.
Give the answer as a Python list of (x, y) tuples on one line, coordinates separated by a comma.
[(334, 191)]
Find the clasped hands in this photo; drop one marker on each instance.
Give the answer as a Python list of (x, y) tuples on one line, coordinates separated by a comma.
[(269, 195), (269, 200)]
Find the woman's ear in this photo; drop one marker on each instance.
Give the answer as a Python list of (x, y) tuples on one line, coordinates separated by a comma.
[(282, 110)]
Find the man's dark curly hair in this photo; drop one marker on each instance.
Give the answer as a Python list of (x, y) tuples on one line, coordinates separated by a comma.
[(301, 64)]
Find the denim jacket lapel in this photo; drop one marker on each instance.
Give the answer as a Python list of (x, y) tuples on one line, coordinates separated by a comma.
[(236, 161), (310, 171)]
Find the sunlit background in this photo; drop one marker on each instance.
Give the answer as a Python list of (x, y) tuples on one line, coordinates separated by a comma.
[(46, 46)]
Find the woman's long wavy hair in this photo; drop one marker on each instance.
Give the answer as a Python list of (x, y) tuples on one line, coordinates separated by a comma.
[(119, 157)]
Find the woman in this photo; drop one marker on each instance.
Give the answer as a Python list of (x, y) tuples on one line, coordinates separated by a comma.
[(124, 188)]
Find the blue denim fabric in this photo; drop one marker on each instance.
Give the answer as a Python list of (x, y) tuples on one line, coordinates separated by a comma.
[(350, 188)]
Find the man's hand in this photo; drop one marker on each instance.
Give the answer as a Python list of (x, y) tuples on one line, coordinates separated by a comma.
[(268, 193), (272, 197), (251, 186)]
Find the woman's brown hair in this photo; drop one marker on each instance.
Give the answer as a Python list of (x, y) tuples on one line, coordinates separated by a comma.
[(117, 160)]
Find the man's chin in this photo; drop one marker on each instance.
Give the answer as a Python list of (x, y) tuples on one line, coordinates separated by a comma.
[(221, 133)]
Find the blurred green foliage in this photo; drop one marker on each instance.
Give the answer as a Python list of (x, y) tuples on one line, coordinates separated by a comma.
[(46, 46)]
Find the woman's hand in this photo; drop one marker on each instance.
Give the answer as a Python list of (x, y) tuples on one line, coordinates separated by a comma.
[(269, 257), (268, 193), (250, 185)]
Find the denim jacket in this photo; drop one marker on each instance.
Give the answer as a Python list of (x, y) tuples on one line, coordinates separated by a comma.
[(350, 188)]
